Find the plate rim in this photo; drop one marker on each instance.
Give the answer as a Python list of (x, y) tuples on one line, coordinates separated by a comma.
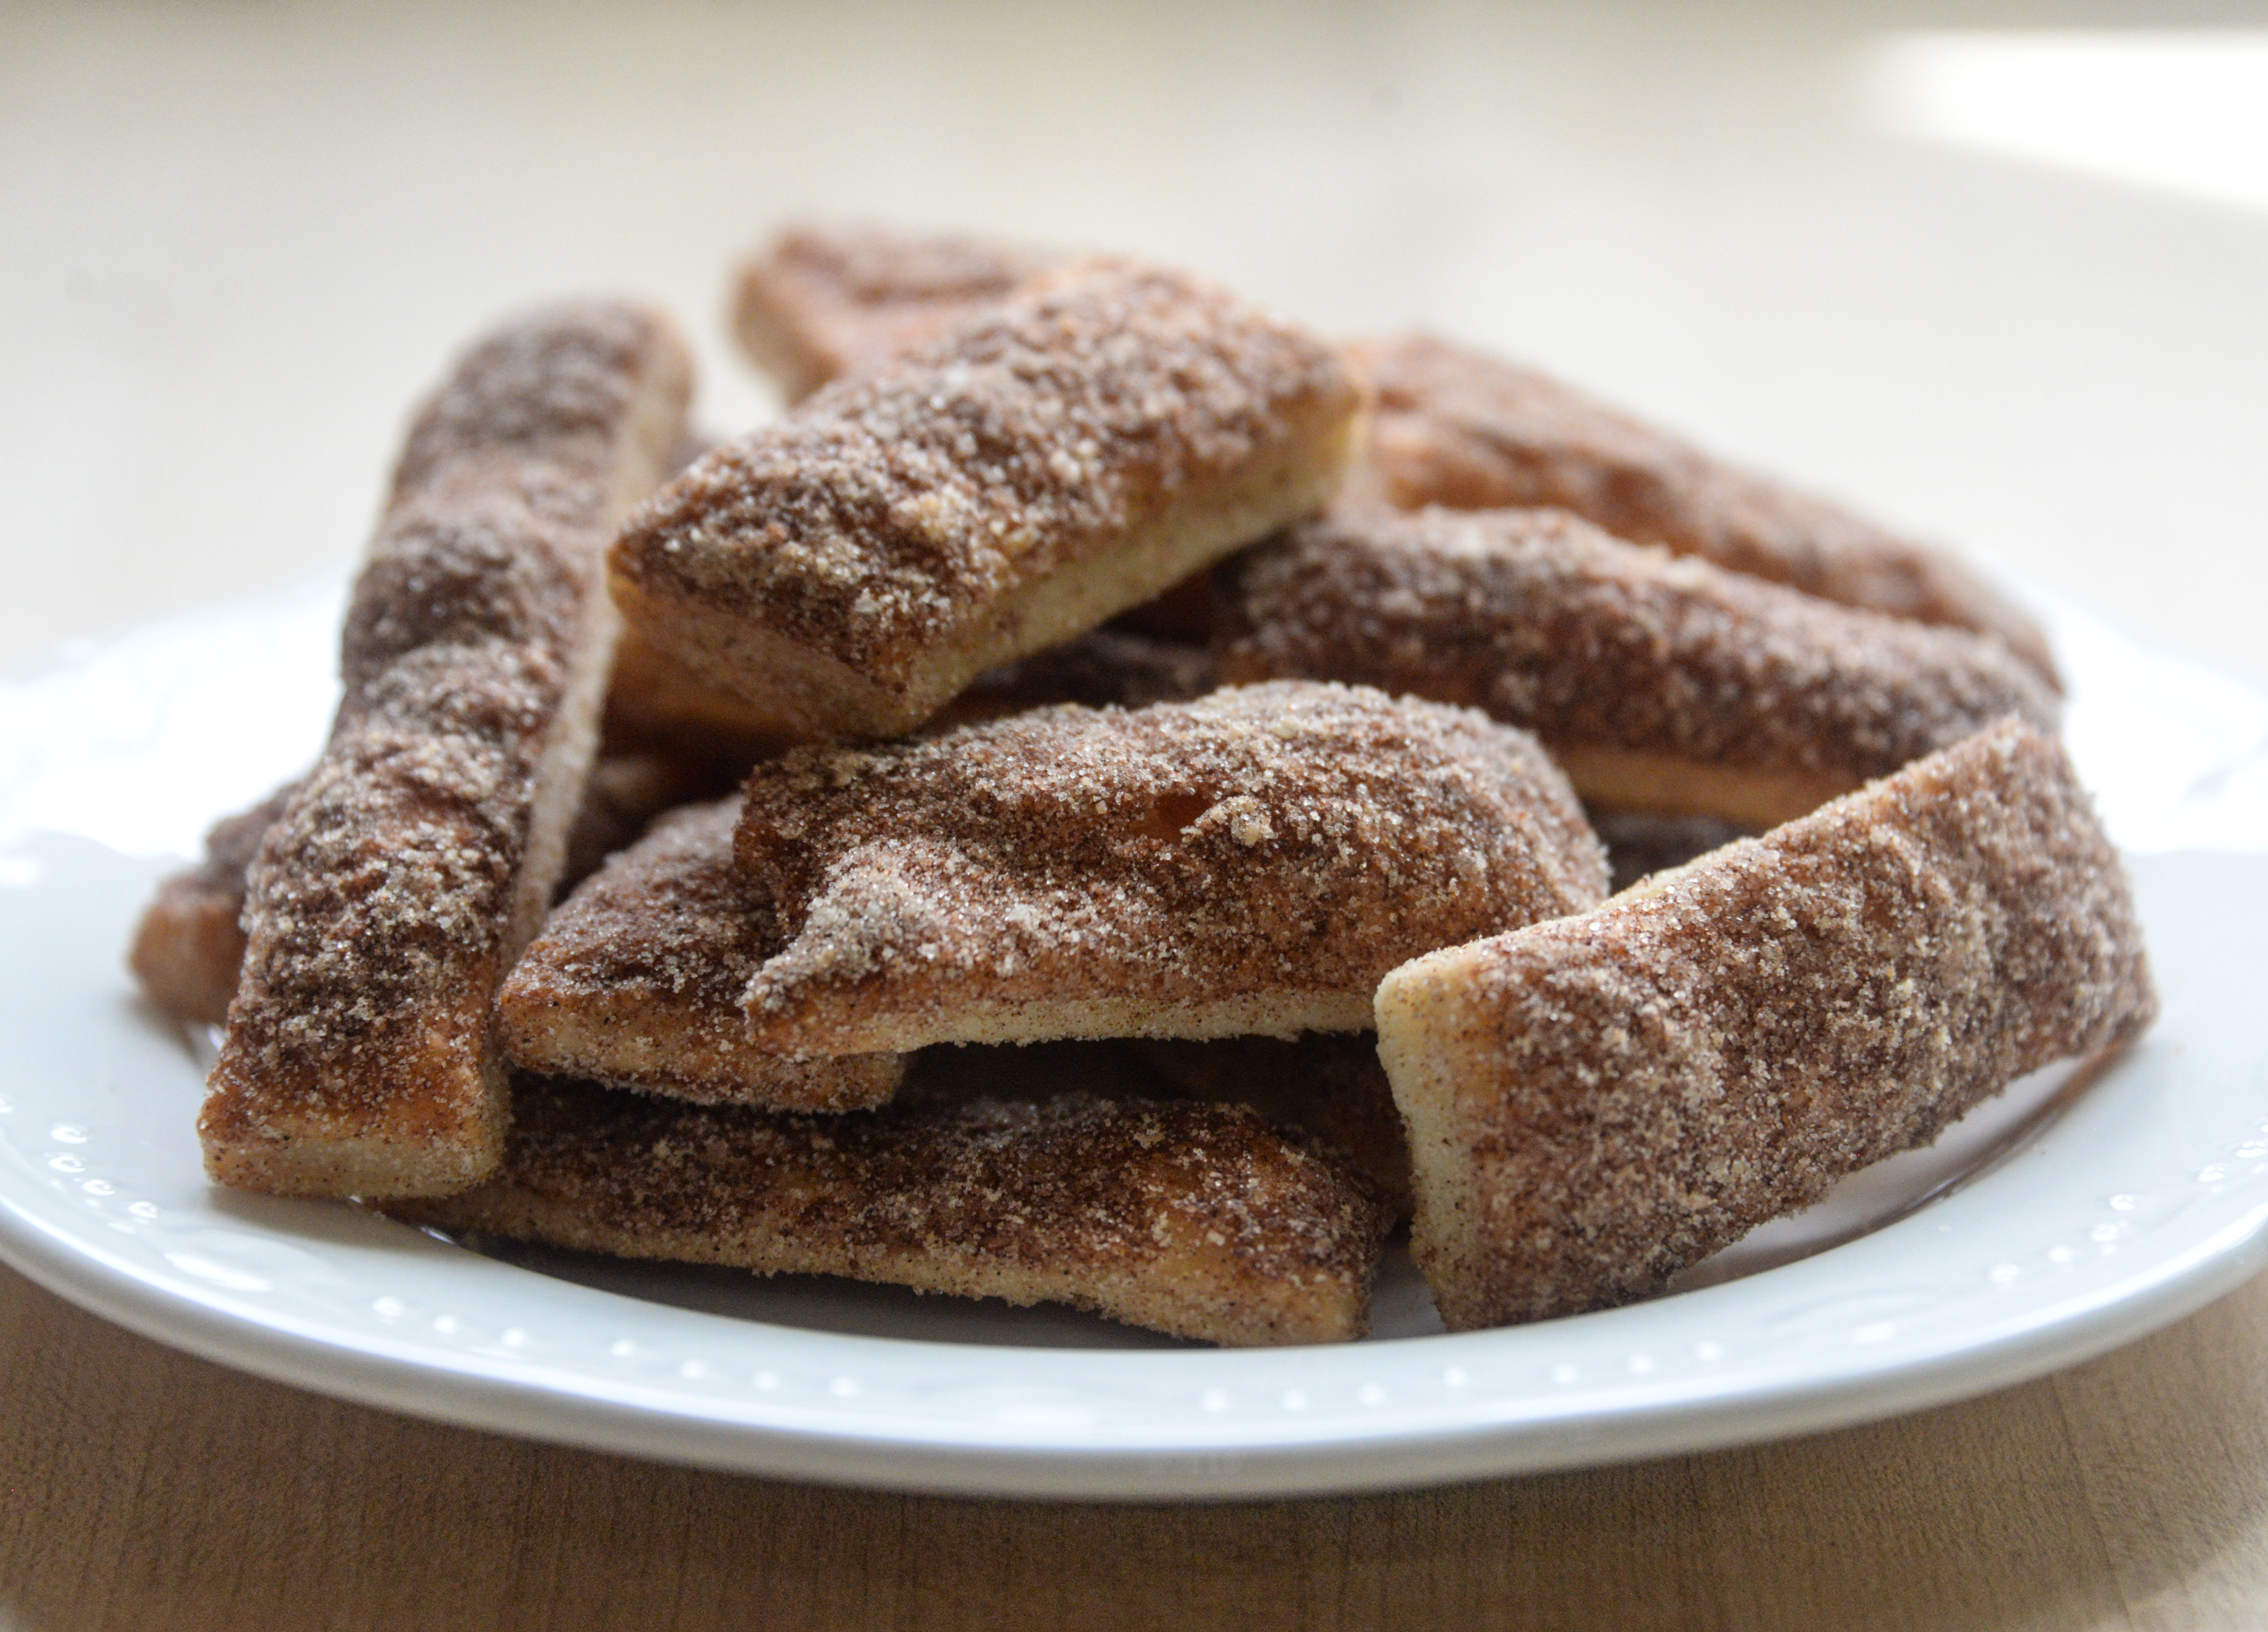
[(459, 1393), (465, 1389)]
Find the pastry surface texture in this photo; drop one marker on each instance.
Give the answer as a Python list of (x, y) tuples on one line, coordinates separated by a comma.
[(1329, 1085), (1195, 1220), (188, 947), (1457, 427), (1597, 1102), (636, 981), (1252, 862), (1659, 683), (417, 857), (1047, 463)]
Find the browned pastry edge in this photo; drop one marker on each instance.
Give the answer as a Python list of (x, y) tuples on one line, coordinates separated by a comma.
[(1597, 1102), (1659, 683), (1457, 427), (636, 981), (1195, 1220), (1250, 862), (654, 703), (189, 946), (417, 856), (1329, 1087), (821, 301), (188, 950), (1045, 465)]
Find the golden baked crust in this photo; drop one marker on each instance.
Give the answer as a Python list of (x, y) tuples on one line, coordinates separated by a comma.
[(1250, 862), (1330, 1087), (636, 981), (1055, 460), (1659, 683), (822, 301), (1595, 1103), (1457, 427), (1190, 1219), (418, 855)]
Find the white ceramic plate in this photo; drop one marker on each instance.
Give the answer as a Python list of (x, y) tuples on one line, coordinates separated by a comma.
[(2047, 1227)]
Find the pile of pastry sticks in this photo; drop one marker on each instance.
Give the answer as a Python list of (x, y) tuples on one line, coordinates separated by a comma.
[(1102, 803)]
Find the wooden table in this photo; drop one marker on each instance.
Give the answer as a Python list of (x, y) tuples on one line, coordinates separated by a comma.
[(142, 1488), (242, 238)]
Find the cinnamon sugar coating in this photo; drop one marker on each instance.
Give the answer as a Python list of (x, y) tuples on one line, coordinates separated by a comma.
[(636, 981), (1329, 1087), (1044, 465), (1193, 1220), (1457, 427), (1657, 682), (823, 301), (416, 857), (1249, 862), (188, 945), (1595, 1103)]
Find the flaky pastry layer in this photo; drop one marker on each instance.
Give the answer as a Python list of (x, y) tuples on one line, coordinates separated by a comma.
[(1597, 1102)]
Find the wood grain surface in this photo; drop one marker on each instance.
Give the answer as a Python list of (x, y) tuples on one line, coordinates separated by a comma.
[(140, 1487)]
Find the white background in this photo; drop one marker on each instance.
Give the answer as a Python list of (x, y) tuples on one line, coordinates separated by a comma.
[(237, 239)]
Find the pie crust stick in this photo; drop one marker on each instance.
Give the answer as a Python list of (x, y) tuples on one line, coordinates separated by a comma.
[(1066, 455), (1595, 1103), (1330, 1087), (1195, 1220), (419, 855), (1457, 427), (818, 302), (1658, 683), (188, 947), (635, 983), (1251, 862)]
